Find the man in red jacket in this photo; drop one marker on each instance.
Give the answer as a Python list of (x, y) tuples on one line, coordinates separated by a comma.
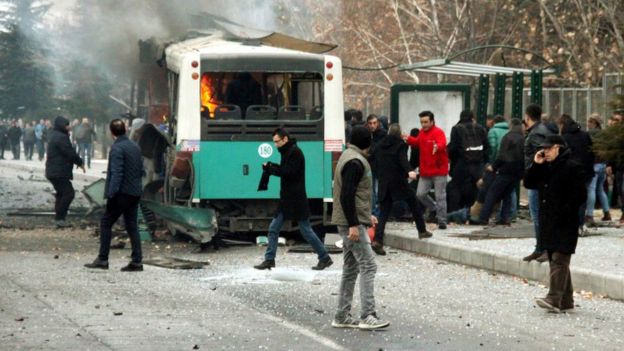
[(434, 165)]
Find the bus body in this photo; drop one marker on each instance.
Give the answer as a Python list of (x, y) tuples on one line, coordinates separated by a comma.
[(226, 98)]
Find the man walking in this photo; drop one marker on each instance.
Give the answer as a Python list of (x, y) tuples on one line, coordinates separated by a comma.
[(15, 135), (293, 200), (393, 170), (352, 213), (84, 139), (61, 159), (123, 191), (536, 134), (560, 182), (434, 165), (40, 138)]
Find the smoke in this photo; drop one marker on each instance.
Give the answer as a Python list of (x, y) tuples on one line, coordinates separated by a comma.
[(104, 33)]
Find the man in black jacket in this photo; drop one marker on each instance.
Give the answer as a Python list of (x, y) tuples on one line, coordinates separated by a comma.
[(393, 170), (4, 137), (559, 180), (123, 191), (536, 134), (61, 159), (293, 200), (508, 169), (15, 135)]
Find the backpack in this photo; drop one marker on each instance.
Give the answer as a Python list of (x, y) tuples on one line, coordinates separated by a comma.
[(471, 143)]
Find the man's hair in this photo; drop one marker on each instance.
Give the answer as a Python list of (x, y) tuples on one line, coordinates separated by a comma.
[(394, 129), (565, 119), (117, 127), (371, 117), (499, 118), (280, 132), (534, 112), (427, 114), (353, 114), (414, 132), (515, 125), (466, 115)]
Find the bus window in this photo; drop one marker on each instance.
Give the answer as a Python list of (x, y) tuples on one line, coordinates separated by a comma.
[(261, 96)]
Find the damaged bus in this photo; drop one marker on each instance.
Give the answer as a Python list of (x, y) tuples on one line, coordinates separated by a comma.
[(226, 97)]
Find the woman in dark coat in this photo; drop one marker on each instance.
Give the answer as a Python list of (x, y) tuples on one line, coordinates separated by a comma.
[(560, 181), (293, 200), (393, 170)]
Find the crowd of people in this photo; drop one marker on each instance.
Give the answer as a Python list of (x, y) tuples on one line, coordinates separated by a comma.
[(18, 135)]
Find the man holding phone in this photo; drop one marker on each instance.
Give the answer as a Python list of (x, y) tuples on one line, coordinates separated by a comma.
[(560, 182)]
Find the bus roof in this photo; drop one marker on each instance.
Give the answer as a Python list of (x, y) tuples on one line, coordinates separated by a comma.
[(216, 46)]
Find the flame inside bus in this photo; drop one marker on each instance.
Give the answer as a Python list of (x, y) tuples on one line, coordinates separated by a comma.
[(208, 98)]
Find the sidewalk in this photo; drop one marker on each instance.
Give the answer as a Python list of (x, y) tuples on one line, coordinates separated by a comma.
[(97, 170), (597, 266)]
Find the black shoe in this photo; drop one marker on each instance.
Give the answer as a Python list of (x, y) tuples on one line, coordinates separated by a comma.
[(424, 235), (266, 264), (532, 256), (378, 248), (543, 257), (442, 226), (133, 267), (323, 264), (97, 264)]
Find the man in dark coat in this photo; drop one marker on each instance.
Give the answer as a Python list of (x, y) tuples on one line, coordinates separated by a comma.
[(61, 159), (377, 133), (15, 135), (4, 137), (468, 153), (123, 192), (560, 182), (393, 171), (293, 200)]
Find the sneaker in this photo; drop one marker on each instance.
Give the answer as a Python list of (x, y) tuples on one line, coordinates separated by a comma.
[(372, 323), (543, 257), (532, 256), (266, 264), (132, 267), (323, 264), (547, 305), (567, 309), (378, 248), (442, 226), (424, 235), (348, 322), (97, 263)]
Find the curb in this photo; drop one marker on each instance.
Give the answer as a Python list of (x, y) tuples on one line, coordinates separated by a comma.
[(610, 285), (77, 175)]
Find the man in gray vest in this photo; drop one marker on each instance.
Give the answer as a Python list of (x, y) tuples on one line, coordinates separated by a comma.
[(352, 213)]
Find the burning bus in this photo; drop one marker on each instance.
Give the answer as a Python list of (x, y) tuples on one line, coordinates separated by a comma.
[(226, 95)]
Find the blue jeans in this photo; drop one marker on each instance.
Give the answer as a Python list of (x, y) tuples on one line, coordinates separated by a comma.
[(376, 209), (501, 189), (513, 200), (84, 151), (306, 230), (596, 188), (534, 211)]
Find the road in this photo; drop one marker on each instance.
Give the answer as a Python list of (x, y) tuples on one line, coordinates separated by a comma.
[(49, 301)]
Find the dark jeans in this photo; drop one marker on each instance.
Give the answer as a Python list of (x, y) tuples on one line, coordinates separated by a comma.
[(15, 149), (500, 189), (126, 205), (386, 208), (3, 145), (29, 149), (84, 151), (64, 196), (306, 231), (40, 149), (560, 293)]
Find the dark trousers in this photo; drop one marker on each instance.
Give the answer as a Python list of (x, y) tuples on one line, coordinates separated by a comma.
[(385, 208), (500, 189), (64, 196), (40, 149), (29, 149), (126, 205), (2, 147), (15, 149), (560, 291)]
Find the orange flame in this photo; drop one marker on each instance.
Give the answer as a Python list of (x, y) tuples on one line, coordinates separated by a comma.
[(207, 92)]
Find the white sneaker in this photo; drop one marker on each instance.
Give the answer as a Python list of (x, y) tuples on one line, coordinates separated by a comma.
[(348, 322), (372, 323)]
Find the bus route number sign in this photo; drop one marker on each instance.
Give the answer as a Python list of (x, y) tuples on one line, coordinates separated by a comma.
[(265, 150)]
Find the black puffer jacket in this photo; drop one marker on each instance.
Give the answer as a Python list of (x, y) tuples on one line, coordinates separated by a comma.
[(392, 168), (61, 155), (291, 170), (580, 144), (510, 157), (562, 191)]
